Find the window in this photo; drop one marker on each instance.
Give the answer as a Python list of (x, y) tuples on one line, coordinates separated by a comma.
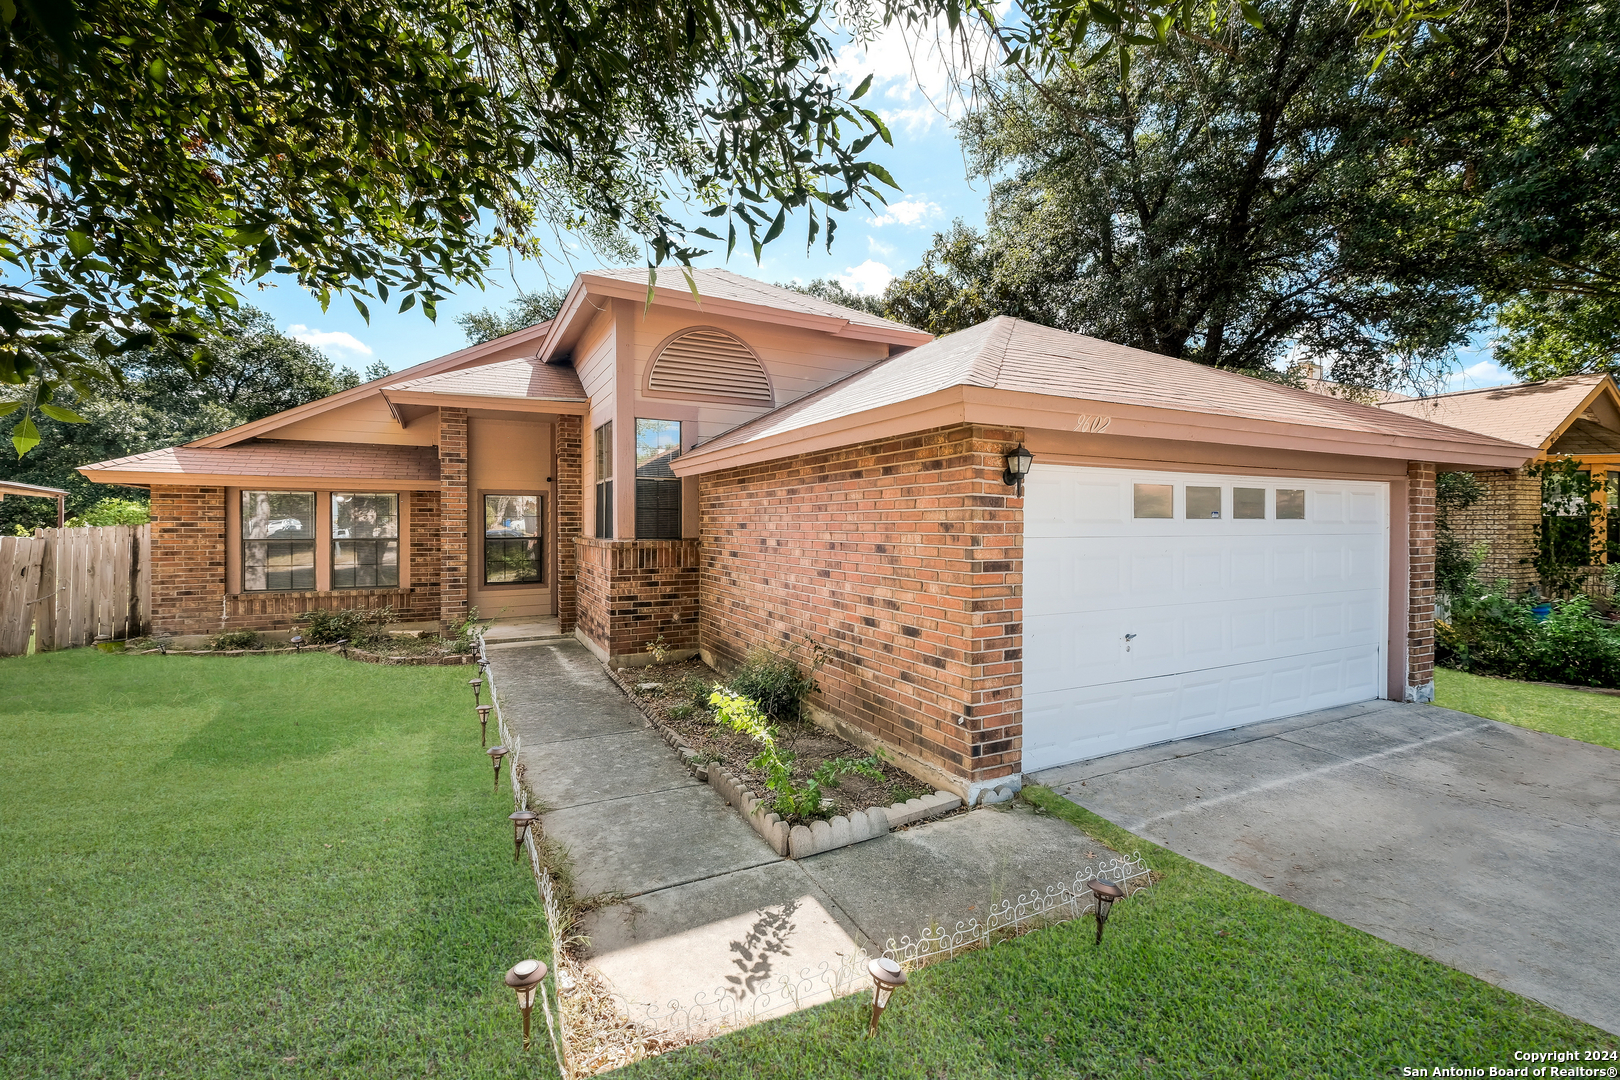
[(1290, 504), (1203, 502), (365, 541), (278, 541), (1249, 504), (658, 489), (1155, 500), (604, 481), (512, 540)]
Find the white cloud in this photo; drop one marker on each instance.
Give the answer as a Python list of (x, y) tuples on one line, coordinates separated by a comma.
[(329, 340), (908, 212), (1479, 376), (878, 247), (914, 72), (868, 279)]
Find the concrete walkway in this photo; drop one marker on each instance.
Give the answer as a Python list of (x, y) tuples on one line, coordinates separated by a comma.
[(704, 907), (1485, 846)]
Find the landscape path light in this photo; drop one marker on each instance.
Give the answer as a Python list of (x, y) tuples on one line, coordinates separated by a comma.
[(478, 686), (1018, 463), (886, 979), (495, 754), (343, 643), (521, 821), (297, 642), (525, 977), (483, 724), (1106, 893)]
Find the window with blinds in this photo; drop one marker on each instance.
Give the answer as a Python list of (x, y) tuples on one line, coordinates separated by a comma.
[(711, 365)]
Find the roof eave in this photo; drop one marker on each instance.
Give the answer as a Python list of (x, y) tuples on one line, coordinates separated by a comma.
[(573, 406), (148, 479)]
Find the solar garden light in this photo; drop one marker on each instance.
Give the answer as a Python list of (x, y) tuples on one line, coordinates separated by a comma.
[(483, 724), (1106, 893), (483, 666), (886, 979), (1018, 463), (521, 821), (478, 687), (343, 643), (297, 642), (525, 977), (495, 754)]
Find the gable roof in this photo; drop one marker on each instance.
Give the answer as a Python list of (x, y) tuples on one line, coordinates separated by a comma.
[(1533, 413), (1023, 358)]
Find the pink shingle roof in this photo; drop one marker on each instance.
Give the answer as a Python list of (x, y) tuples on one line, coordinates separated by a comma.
[(1011, 354), (315, 460), (1528, 413), (522, 378)]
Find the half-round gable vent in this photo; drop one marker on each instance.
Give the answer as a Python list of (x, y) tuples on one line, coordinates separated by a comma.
[(708, 363)]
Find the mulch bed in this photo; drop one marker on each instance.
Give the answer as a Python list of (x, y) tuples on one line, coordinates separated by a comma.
[(680, 701)]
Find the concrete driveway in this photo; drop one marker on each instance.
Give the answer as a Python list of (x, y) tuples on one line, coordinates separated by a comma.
[(1490, 848)]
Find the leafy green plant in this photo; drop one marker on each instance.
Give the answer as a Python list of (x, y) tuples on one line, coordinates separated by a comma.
[(1565, 541), (1455, 563), (792, 800), (681, 712), (1493, 634), (775, 680), (361, 626), (464, 634), (112, 511), (235, 639), (658, 650)]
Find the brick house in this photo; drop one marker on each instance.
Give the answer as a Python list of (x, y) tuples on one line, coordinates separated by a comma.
[(1191, 550), (1578, 417)]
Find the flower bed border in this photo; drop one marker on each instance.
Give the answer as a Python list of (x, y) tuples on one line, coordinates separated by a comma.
[(357, 655)]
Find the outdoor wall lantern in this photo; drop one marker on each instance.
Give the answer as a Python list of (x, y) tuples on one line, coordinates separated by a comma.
[(495, 754), (521, 821), (886, 979), (525, 977), (1018, 463), (297, 642), (478, 687), (1106, 893), (483, 724)]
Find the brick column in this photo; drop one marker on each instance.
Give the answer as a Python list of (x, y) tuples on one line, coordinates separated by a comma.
[(452, 516), (570, 435), (1420, 582), (425, 562), (188, 560)]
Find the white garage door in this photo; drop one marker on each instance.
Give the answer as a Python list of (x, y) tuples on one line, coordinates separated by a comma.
[(1163, 605)]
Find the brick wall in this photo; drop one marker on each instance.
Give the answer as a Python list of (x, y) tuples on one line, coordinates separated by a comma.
[(570, 516), (631, 591), (1420, 587), (904, 558), (452, 516), (188, 559), (1504, 521), (424, 555)]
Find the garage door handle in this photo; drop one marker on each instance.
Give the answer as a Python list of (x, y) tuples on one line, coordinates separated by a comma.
[(1130, 637)]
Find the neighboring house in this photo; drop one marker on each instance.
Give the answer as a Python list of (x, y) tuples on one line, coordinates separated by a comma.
[(1193, 550), (1577, 417)]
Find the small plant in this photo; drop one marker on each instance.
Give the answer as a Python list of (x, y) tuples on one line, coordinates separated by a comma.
[(792, 800), (658, 650), (682, 712), (360, 625), (464, 638), (694, 687), (775, 680), (235, 639)]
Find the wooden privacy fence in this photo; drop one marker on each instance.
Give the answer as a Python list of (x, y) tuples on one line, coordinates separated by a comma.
[(68, 587)]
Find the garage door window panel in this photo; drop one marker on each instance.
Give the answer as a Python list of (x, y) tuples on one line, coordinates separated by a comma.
[(1203, 503), (1249, 504), (1155, 500), (1290, 504)]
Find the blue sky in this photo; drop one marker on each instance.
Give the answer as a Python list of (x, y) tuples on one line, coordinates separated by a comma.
[(911, 89)]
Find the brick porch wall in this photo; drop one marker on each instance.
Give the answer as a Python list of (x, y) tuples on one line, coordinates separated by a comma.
[(631, 591), (188, 559), (1505, 522), (904, 558), (570, 516), (1420, 586), (452, 516)]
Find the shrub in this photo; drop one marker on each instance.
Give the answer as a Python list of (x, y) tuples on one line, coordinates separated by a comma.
[(775, 681), (791, 800), (1491, 634), (361, 626), (111, 511), (235, 639)]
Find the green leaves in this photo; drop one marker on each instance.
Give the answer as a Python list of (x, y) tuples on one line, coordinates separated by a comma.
[(24, 436), (57, 412)]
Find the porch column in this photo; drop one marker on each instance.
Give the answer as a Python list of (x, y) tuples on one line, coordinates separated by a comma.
[(1420, 581), (452, 516), (570, 435)]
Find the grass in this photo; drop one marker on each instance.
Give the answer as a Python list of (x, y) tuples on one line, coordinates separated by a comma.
[(254, 867), (1200, 976), (1574, 714)]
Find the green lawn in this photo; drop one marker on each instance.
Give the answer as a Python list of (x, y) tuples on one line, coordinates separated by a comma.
[(1574, 714), (258, 866), (1201, 976)]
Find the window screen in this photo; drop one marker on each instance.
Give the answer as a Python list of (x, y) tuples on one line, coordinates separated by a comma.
[(1249, 504), (278, 541), (1155, 500), (1203, 502), (604, 480), (365, 540), (512, 539), (658, 489), (1290, 504)]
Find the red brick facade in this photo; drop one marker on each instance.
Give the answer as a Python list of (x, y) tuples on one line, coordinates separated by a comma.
[(632, 591), (188, 559), (1420, 582), (570, 515), (904, 558), (424, 555), (453, 561)]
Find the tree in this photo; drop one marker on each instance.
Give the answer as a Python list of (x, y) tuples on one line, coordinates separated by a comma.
[(1547, 337), (834, 292), (162, 402), (520, 313), (1222, 208)]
